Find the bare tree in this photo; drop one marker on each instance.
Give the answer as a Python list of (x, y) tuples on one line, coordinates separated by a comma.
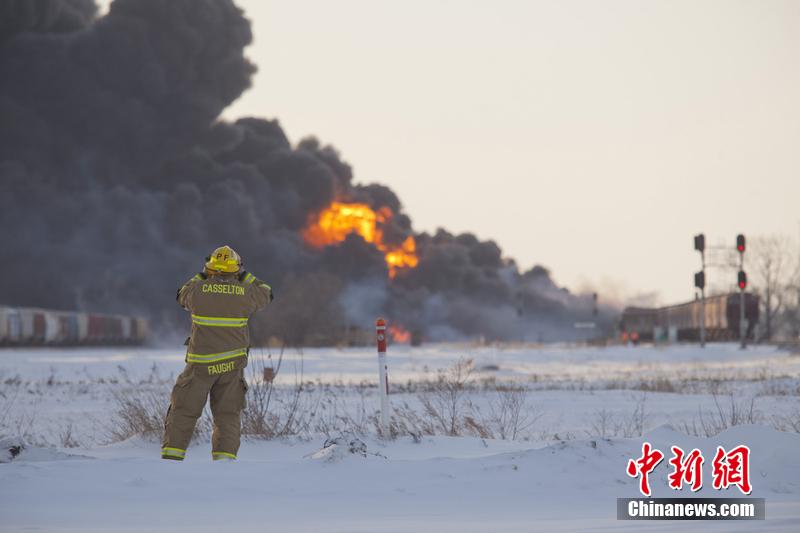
[(772, 260)]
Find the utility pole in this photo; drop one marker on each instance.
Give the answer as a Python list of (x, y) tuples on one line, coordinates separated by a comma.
[(742, 281), (700, 283)]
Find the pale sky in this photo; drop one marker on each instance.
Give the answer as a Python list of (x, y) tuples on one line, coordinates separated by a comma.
[(593, 137)]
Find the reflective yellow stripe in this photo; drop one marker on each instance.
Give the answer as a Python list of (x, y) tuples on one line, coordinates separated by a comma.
[(197, 276), (214, 357), (223, 318), (219, 321), (220, 455), (174, 452), (218, 324), (265, 285), (249, 278)]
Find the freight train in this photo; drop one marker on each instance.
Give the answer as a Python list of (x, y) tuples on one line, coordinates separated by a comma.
[(682, 322), (20, 326)]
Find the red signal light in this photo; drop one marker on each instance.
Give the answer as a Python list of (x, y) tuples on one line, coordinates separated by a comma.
[(742, 280), (740, 243)]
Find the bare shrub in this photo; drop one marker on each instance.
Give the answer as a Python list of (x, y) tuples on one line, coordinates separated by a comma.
[(332, 415), (634, 425), (444, 400), (659, 384), (139, 412), (447, 410), (712, 423), (602, 424), (407, 421), (509, 415), (13, 420), (606, 424), (790, 422), (142, 412), (66, 438), (737, 413), (271, 411), (9, 396)]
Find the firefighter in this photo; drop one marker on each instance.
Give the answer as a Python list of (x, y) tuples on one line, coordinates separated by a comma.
[(221, 300)]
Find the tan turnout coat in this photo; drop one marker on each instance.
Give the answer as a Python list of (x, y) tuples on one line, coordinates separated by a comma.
[(221, 307)]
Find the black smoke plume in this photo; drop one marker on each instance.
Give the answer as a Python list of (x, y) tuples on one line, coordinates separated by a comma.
[(118, 178)]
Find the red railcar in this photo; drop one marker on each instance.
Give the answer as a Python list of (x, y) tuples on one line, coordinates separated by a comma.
[(39, 327)]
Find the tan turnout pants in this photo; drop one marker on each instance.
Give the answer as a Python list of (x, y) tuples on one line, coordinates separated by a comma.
[(224, 382)]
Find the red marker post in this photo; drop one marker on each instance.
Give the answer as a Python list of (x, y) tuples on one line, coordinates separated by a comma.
[(383, 375)]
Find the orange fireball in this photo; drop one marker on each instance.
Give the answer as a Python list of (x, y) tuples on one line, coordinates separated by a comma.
[(399, 334), (334, 223)]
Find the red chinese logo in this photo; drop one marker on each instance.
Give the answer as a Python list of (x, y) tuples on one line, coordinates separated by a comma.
[(688, 469), (732, 468), (644, 465)]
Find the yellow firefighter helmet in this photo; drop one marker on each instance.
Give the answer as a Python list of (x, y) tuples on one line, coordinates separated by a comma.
[(224, 259)]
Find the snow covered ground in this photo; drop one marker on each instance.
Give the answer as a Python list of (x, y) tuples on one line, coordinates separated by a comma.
[(563, 473)]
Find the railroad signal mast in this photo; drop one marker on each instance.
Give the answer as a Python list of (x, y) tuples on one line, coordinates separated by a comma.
[(742, 282), (700, 283)]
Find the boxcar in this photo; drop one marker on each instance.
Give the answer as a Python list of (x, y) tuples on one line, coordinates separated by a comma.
[(641, 320), (114, 329), (126, 328), (83, 328), (140, 330), (721, 318), (52, 327), (69, 328), (29, 326), (26, 334), (4, 325), (14, 321)]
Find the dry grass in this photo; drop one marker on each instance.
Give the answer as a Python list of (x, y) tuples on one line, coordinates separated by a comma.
[(446, 409), (66, 437), (790, 422), (725, 415), (607, 425), (13, 421), (439, 406), (271, 411), (138, 412)]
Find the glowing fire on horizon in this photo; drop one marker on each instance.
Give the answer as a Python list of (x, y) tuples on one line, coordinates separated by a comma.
[(399, 334), (340, 219)]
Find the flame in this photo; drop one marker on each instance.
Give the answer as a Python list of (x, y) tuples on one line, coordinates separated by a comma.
[(340, 219), (399, 334)]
